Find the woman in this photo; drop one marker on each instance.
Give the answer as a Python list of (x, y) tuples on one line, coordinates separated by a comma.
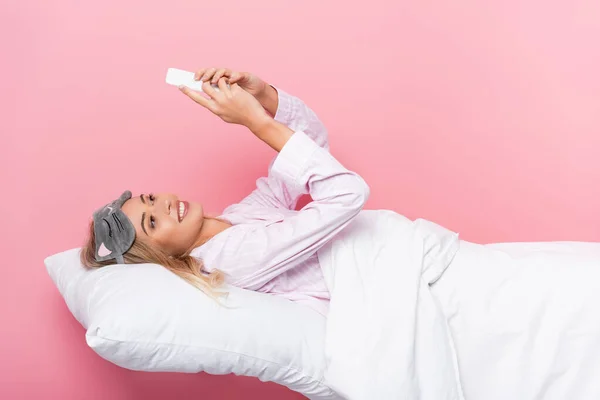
[(521, 315), (261, 243)]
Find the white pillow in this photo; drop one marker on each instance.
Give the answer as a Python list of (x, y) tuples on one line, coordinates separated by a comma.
[(143, 317)]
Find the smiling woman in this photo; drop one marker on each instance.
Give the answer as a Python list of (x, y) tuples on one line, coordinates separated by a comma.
[(166, 231), (164, 221)]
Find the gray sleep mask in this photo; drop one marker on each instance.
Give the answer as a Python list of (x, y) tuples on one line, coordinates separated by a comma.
[(114, 231)]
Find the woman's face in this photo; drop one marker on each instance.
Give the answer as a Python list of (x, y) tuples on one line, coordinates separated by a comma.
[(164, 221)]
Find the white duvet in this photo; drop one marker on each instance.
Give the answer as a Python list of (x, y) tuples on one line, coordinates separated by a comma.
[(500, 321), (525, 318), (385, 337)]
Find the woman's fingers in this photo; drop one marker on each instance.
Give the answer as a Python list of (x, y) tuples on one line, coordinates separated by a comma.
[(199, 74), (214, 74), (219, 74), (208, 74), (209, 90), (235, 77), (223, 87), (197, 97)]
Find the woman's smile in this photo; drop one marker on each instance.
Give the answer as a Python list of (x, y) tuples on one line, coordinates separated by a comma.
[(182, 209)]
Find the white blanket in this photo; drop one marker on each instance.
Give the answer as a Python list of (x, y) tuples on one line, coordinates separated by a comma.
[(385, 337), (525, 318)]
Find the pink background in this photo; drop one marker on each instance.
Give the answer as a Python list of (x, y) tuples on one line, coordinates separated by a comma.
[(483, 118)]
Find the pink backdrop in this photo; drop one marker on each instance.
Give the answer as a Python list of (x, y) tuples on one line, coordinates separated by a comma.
[(483, 118)]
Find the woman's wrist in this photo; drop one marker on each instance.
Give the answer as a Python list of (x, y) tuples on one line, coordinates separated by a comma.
[(259, 124), (272, 133), (269, 99)]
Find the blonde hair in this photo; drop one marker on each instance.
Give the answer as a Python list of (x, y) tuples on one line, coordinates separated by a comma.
[(185, 266)]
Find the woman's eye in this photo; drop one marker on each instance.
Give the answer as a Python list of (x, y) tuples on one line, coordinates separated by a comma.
[(151, 197), (152, 222)]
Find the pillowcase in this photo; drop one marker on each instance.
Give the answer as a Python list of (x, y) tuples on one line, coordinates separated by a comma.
[(143, 317)]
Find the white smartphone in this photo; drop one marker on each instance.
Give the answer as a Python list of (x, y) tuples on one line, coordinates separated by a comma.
[(178, 77)]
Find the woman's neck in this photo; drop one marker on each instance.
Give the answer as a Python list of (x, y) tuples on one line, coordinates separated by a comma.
[(211, 226)]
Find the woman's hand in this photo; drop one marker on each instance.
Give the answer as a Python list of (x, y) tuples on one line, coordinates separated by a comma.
[(249, 82), (263, 92), (232, 104)]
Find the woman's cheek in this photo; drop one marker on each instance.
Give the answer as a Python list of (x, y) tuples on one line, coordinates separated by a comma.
[(169, 227), (165, 231)]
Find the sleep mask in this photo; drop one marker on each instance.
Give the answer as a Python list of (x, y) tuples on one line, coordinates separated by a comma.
[(113, 230)]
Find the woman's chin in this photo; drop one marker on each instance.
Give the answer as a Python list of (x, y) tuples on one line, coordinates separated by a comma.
[(195, 211)]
